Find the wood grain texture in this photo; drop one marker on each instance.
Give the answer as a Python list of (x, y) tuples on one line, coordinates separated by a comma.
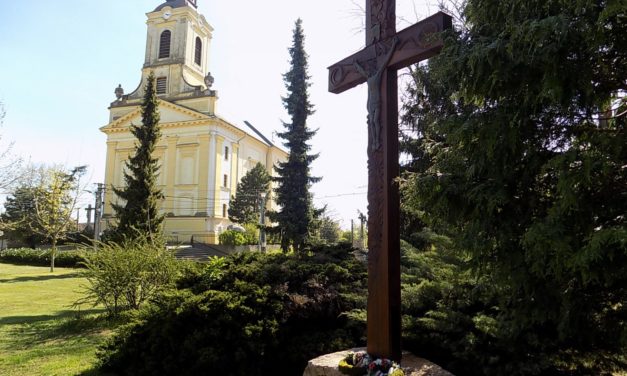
[(385, 53)]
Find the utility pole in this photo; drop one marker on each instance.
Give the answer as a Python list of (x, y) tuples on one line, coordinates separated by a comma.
[(352, 232), (362, 219), (98, 213), (89, 209), (262, 221), (78, 222)]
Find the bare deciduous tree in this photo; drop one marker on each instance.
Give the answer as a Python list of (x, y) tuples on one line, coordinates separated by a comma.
[(56, 197), (10, 165)]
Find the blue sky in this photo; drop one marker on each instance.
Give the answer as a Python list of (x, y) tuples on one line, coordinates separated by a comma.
[(62, 60)]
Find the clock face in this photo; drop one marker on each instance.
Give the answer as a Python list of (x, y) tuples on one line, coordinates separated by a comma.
[(167, 14)]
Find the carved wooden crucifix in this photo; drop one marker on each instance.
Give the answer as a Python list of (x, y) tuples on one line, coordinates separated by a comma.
[(386, 51)]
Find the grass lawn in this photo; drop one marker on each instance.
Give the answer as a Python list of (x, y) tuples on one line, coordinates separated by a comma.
[(40, 333)]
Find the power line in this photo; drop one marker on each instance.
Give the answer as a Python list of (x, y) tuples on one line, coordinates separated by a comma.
[(251, 195), (342, 195)]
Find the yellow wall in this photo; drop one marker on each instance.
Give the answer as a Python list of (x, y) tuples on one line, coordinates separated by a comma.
[(217, 203), (186, 144)]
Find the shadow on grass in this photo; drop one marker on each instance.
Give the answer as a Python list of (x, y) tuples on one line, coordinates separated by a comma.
[(95, 372), (42, 318), (39, 278), (62, 326), (90, 372)]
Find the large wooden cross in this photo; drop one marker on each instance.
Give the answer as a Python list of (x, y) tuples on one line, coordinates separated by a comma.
[(386, 51)]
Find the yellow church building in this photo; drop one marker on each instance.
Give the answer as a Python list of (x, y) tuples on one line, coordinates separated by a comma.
[(202, 156)]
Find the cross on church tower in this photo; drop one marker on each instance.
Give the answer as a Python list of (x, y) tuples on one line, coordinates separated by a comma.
[(386, 51)]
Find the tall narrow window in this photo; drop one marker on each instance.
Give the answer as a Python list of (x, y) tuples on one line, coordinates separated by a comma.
[(226, 153), (226, 180), (224, 210), (198, 54), (162, 85), (164, 44)]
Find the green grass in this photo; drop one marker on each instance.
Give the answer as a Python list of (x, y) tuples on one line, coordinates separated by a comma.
[(40, 333)]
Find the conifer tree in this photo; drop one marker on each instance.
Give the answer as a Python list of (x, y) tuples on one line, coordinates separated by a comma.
[(19, 213), (521, 150), (139, 213), (293, 181), (244, 207)]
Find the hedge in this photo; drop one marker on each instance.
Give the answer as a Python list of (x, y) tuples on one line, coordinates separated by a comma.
[(41, 257)]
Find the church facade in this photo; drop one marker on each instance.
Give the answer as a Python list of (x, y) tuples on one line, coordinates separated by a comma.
[(202, 156)]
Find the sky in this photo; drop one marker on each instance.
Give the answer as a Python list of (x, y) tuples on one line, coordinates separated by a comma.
[(61, 61)]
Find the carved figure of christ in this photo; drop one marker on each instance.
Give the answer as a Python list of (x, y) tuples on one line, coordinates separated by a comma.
[(374, 96), (409, 46)]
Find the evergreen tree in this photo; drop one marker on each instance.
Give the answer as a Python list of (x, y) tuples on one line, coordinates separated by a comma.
[(19, 213), (330, 230), (244, 207), (522, 150), (139, 213), (293, 181)]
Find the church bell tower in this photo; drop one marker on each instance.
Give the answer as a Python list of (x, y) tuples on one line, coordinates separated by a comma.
[(177, 51)]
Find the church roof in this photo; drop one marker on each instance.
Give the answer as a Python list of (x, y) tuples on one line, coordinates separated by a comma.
[(264, 138), (177, 4), (120, 124)]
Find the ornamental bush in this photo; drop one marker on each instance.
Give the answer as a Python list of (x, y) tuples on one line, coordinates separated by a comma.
[(248, 314), (126, 275)]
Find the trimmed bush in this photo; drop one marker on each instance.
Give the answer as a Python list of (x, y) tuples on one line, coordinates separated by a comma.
[(248, 314), (41, 257)]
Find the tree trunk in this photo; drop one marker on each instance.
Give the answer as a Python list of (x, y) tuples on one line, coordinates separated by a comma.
[(53, 253)]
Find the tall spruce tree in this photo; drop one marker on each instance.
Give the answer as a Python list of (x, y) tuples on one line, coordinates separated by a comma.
[(522, 151), (139, 213), (244, 207), (296, 213)]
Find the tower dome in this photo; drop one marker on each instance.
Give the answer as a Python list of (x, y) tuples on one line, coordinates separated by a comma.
[(177, 4)]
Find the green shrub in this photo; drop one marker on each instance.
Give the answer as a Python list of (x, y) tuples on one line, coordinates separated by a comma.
[(41, 257), (252, 233), (248, 314), (193, 273), (231, 237), (455, 318), (125, 276)]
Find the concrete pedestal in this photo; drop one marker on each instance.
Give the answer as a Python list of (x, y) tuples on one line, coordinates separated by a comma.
[(327, 365)]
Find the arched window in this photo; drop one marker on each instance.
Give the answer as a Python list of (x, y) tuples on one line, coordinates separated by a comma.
[(198, 54), (164, 44)]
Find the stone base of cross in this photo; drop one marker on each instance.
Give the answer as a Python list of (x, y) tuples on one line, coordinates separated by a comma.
[(377, 64)]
